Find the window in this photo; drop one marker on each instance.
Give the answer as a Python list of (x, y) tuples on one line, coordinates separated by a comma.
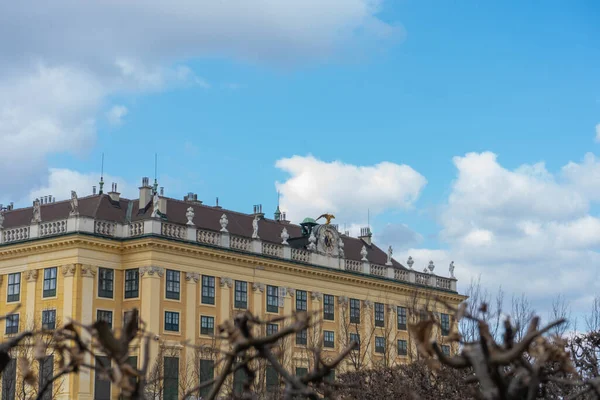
[(241, 294), (402, 351), (171, 378), (207, 373), (402, 318), (445, 322), (446, 349), (9, 380), (208, 289), (272, 329), (330, 377), (239, 379), (379, 344), (132, 283), (171, 321), (102, 383), (301, 304), (379, 314), (355, 337), (207, 325), (272, 379), (48, 319), (301, 337), (106, 316), (106, 280), (45, 374), (133, 362), (14, 287), (328, 307), (354, 311), (301, 371), (423, 315), (12, 323), (127, 316), (49, 282), (272, 298), (328, 339), (173, 284)]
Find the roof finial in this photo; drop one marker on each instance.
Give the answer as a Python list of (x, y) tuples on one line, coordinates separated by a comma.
[(277, 214), (102, 175), (155, 189)]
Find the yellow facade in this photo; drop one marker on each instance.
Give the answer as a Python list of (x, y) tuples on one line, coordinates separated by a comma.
[(78, 258)]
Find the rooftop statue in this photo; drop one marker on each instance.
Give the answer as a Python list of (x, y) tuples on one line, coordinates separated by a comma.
[(328, 218)]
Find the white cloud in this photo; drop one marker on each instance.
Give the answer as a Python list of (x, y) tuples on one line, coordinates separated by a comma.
[(598, 133), (62, 61), (43, 110), (527, 230), (61, 181), (116, 114), (315, 187)]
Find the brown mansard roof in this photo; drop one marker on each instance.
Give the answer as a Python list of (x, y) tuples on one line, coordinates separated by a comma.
[(101, 207)]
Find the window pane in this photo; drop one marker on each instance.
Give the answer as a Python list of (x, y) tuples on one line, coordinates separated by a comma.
[(171, 380), (301, 300), (9, 379), (207, 373), (132, 283), (46, 367), (105, 282), (354, 311), (328, 307), (102, 382), (173, 284)]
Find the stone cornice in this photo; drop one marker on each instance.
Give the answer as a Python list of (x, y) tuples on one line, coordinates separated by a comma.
[(146, 243)]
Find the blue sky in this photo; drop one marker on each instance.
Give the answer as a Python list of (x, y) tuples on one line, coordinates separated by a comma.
[(413, 83)]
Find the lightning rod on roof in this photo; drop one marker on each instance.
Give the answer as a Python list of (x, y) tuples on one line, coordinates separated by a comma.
[(102, 176), (155, 173)]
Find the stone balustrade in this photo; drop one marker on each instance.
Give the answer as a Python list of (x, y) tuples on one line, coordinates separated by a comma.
[(53, 228), (224, 239)]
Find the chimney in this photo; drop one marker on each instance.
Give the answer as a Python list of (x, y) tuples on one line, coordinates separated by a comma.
[(114, 195), (283, 218), (217, 205), (191, 198), (162, 190), (366, 235), (145, 193), (258, 211), (94, 190)]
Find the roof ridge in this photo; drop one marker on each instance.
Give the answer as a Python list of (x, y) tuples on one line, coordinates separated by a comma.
[(225, 210)]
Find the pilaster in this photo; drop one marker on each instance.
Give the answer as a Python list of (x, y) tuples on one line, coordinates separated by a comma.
[(191, 233), (366, 320), (31, 277), (191, 317), (68, 313), (257, 246), (224, 306), (151, 312), (88, 273), (287, 311), (258, 289), (225, 239)]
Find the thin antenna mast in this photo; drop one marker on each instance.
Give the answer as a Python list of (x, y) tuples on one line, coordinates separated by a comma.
[(155, 190), (102, 175), (369, 220)]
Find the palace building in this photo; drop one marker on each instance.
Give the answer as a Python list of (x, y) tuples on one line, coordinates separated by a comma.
[(188, 267)]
